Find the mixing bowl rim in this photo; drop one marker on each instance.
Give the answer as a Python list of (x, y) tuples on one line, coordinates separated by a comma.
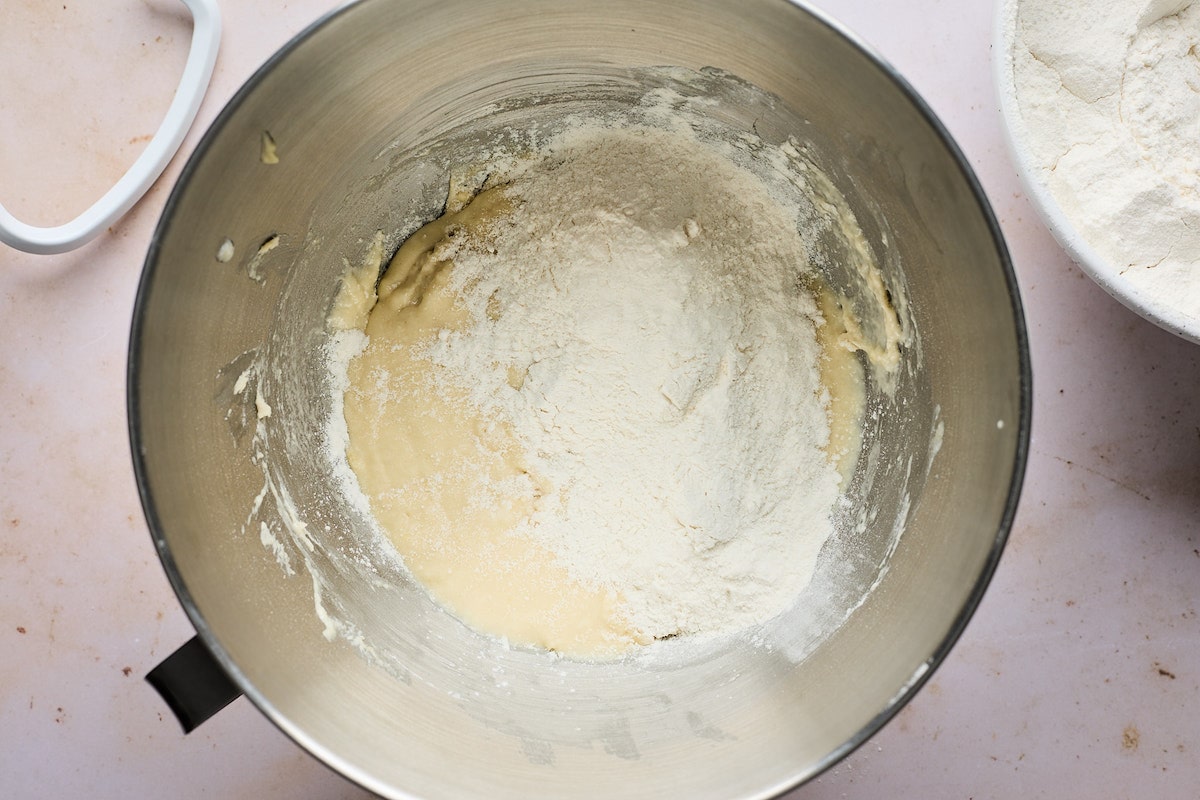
[(352, 772)]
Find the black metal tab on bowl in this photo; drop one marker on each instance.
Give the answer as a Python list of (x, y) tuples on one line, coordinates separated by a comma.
[(193, 684)]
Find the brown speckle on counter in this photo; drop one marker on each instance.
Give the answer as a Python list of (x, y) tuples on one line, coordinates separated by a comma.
[(126, 671), (1163, 671), (1130, 738), (21, 629)]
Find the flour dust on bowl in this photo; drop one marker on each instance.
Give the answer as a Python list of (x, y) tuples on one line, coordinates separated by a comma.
[(761, 192)]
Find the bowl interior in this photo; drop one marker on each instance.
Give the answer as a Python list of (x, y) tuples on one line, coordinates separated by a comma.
[(369, 111)]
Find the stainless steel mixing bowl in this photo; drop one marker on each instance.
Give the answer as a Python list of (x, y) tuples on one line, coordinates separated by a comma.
[(405, 699)]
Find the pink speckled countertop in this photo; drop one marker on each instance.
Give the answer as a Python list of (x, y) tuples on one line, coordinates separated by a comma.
[(1078, 677)]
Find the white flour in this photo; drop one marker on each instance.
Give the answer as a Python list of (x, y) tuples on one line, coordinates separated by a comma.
[(1109, 94), (648, 339)]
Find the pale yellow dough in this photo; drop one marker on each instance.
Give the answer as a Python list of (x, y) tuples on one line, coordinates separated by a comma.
[(431, 466), (449, 487)]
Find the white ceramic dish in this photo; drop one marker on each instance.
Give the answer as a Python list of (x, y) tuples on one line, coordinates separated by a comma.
[(1174, 318)]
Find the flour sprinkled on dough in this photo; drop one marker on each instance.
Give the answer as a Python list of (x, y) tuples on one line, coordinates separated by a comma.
[(606, 370)]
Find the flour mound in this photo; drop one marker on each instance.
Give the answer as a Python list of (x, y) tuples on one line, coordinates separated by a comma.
[(640, 319), (1109, 99)]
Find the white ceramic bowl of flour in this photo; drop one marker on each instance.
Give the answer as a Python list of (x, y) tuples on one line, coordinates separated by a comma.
[(1101, 104)]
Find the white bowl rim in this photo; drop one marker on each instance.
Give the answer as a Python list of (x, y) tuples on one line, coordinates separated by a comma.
[(1172, 319)]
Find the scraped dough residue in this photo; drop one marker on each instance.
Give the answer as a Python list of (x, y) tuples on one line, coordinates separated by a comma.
[(603, 400)]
